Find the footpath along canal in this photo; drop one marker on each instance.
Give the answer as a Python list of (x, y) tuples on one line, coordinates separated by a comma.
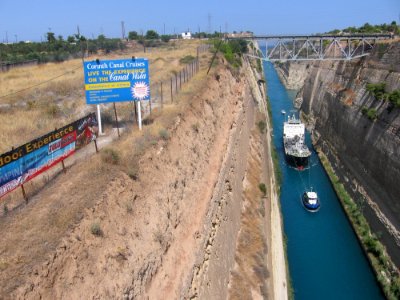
[(325, 258)]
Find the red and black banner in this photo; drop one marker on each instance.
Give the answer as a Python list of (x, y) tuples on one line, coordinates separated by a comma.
[(29, 160)]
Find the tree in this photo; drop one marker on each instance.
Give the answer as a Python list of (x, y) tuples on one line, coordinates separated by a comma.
[(165, 38), (71, 39), (152, 35), (133, 35), (51, 38)]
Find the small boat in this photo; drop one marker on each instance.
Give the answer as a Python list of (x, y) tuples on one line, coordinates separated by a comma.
[(310, 201), (283, 112)]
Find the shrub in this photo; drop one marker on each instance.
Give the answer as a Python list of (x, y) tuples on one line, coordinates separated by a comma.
[(195, 127), (128, 206), (110, 156), (187, 59), (164, 134), (261, 126), (53, 110), (95, 229), (364, 110), (372, 114), (5, 209), (263, 188), (394, 97)]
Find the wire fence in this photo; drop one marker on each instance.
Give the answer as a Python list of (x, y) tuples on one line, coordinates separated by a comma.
[(166, 91), (4, 67)]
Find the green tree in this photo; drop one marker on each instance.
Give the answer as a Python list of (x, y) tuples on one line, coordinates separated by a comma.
[(51, 38), (133, 35), (71, 39), (152, 35), (165, 38)]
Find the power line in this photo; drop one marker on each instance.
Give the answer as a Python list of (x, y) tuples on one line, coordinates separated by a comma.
[(41, 83)]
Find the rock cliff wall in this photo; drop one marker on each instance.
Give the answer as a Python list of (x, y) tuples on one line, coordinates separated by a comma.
[(364, 152)]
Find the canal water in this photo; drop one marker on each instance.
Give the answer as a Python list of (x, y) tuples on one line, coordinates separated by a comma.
[(325, 259)]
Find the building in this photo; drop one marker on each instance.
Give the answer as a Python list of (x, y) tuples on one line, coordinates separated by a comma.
[(186, 35)]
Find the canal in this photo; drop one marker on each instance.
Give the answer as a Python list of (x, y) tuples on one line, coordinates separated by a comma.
[(325, 258)]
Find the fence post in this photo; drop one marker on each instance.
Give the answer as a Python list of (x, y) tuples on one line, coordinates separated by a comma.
[(116, 119), (63, 166), (172, 97), (95, 145), (180, 79), (176, 83), (162, 97), (150, 106), (24, 194)]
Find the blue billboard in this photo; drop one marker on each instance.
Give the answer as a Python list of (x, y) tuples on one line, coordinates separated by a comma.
[(116, 80)]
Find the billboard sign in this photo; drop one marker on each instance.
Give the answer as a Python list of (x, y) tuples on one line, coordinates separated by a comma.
[(29, 160), (116, 80)]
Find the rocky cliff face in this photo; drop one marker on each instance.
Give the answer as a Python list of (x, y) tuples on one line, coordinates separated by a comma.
[(365, 152), (292, 74)]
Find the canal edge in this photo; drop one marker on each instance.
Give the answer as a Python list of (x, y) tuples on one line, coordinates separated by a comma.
[(276, 218), (389, 272)]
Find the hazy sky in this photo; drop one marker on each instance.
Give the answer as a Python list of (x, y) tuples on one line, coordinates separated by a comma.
[(31, 19)]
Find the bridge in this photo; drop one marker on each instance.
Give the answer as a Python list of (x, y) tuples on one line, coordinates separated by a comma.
[(314, 47)]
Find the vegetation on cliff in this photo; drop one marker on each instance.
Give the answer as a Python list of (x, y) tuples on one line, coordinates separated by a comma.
[(386, 273), (232, 50), (378, 91)]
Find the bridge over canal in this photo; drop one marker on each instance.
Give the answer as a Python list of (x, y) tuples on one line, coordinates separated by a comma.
[(314, 47)]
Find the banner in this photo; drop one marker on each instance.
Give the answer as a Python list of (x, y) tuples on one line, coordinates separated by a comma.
[(116, 80), (29, 160)]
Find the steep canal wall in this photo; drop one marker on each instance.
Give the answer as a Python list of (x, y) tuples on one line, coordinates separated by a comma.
[(359, 133)]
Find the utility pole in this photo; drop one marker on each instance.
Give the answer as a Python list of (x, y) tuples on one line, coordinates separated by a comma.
[(123, 29), (209, 23), (80, 42)]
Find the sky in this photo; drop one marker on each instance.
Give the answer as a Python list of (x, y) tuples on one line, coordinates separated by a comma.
[(22, 20)]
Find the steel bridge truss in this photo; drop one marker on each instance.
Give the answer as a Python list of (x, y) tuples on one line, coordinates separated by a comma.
[(305, 48)]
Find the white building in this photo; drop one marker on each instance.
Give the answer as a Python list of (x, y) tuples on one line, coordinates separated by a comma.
[(186, 35)]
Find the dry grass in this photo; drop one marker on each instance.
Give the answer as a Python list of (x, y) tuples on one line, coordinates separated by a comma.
[(35, 230), (31, 113)]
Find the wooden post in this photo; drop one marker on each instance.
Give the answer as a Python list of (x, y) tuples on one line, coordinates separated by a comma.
[(197, 59), (63, 166), (180, 79), (184, 75), (162, 96), (95, 145), (172, 97), (24, 194), (176, 83), (116, 119), (150, 106)]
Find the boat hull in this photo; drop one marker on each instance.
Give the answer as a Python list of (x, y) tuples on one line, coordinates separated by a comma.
[(310, 207), (297, 162)]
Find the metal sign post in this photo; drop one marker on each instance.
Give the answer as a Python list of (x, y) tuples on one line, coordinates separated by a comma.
[(116, 119), (99, 120), (139, 110)]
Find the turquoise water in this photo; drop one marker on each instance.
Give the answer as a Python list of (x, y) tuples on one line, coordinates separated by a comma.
[(325, 259)]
